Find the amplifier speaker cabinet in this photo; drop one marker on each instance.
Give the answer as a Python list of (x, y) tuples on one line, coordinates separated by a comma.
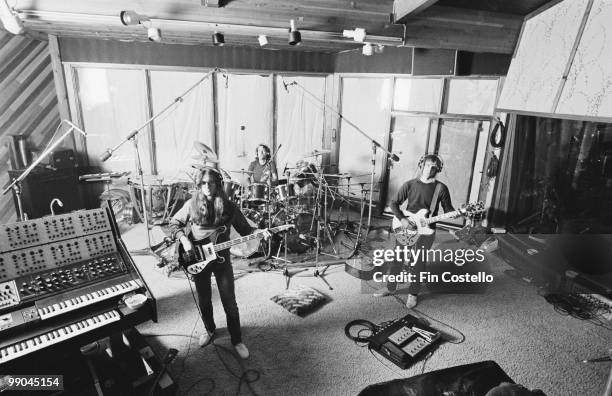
[(42, 185)]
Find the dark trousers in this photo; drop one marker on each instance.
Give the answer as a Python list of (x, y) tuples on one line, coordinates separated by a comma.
[(396, 267), (224, 274)]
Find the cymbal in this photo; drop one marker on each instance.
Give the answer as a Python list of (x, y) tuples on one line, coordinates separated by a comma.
[(204, 149), (205, 158), (316, 152), (242, 171)]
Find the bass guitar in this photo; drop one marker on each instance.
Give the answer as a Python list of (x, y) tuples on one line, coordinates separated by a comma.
[(205, 250), (420, 222)]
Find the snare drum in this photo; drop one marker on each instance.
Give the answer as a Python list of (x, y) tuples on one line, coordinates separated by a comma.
[(258, 193), (231, 189), (285, 192)]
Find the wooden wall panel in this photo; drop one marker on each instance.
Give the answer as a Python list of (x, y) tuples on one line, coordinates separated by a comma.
[(28, 102)]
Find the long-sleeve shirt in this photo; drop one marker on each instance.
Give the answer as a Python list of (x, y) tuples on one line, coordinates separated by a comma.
[(418, 195), (236, 219)]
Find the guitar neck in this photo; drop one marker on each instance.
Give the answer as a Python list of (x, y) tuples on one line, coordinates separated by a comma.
[(448, 215), (238, 241)]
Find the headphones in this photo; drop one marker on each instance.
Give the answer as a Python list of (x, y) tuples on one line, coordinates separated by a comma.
[(266, 149), (433, 157)]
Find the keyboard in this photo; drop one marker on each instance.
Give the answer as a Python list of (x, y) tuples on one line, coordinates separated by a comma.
[(67, 302), (56, 336)]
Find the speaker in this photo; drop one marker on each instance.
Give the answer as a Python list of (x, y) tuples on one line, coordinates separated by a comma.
[(42, 185)]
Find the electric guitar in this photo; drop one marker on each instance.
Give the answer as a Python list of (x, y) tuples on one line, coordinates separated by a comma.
[(205, 250), (420, 222)]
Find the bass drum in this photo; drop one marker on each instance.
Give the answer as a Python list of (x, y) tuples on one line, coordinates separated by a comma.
[(249, 248), (303, 226)]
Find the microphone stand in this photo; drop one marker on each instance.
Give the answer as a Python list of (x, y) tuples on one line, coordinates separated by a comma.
[(16, 184), (132, 136), (375, 144)]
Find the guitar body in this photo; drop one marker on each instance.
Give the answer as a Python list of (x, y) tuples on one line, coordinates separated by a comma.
[(202, 254), (205, 250), (409, 236), (421, 221)]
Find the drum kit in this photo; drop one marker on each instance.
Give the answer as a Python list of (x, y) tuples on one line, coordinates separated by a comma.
[(304, 196)]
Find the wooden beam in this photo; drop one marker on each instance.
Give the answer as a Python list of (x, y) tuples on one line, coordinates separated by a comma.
[(58, 77), (404, 8)]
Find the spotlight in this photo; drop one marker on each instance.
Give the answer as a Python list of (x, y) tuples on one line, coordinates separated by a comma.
[(154, 34), (218, 39), (132, 18), (263, 40), (9, 18), (367, 49), (358, 34), (379, 48), (294, 35)]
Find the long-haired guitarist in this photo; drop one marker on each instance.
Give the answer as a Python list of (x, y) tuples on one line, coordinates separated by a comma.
[(208, 209), (418, 194)]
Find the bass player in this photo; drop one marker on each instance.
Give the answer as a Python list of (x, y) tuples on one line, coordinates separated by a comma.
[(423, 192), (208, 209)]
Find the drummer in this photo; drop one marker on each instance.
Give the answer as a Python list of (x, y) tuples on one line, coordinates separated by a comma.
[(263, 168)]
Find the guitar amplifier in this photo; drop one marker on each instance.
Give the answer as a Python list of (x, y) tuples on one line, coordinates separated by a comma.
[(404, 341), (63, 159)]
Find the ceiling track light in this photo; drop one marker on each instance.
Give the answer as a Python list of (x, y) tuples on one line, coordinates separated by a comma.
[(131, 17), (295, 38), (263, 40), (218, 39), (154, 34)]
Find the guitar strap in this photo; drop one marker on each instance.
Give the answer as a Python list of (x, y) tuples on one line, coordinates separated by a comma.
[(434, 200)]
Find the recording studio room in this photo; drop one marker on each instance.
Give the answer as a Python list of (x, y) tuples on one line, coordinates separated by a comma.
[(237, 197)]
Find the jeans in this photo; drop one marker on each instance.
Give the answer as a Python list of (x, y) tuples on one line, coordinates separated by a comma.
[(224, 274), (395, 267)]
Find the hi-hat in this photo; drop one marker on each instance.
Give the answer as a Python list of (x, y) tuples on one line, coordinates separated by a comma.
[(316, 152), (204, 150)]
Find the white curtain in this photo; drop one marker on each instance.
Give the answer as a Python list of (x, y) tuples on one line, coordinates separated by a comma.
[(113, 104), (245, 119), (366, 103), (184, 123), (299, 119)]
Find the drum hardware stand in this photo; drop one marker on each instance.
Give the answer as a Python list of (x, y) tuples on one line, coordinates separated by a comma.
[(16, 184), (375, 144)]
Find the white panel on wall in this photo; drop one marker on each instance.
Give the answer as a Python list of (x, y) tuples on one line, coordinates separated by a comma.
[(245, 119), (366, 103), (543, 53), (588, 89), (114, 103), (299, 120), (182, 124)]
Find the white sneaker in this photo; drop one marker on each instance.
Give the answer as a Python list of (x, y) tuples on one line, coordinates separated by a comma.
[(206, 338), (411, 301), (242, 350)]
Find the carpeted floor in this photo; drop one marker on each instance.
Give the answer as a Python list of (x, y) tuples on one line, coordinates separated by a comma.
[(508, 323)]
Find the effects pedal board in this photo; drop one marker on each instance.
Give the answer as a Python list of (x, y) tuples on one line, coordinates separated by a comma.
[(404, 341)]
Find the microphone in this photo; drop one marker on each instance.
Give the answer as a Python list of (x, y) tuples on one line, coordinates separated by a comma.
[(285, 170), (394, 157), (105, 155)]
